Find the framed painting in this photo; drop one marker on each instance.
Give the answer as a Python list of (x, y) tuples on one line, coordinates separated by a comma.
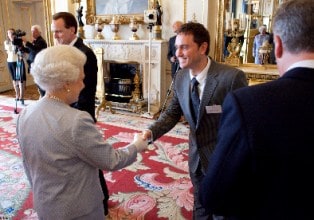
[(125, 9), (268, 8)]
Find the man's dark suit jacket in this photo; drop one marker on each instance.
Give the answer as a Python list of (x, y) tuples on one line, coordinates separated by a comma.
[(171, 53), (34, 48), (262, 165), (86, 101)]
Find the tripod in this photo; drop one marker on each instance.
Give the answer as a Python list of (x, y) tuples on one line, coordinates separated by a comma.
[(19, 77), (169, 91), (148, 113)]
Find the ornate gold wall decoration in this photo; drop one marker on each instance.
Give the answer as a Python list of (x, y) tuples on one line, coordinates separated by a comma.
[(91, 15)]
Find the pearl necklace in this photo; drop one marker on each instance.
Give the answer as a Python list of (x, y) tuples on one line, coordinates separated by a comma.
[(55, 98)]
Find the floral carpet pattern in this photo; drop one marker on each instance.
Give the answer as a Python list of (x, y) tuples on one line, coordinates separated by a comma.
[(156, 186)]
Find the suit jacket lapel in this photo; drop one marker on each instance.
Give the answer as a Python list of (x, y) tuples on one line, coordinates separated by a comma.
[(183, 93)]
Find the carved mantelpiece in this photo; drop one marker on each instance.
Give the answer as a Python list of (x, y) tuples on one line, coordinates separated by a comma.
[(148, 54), (256, 74)]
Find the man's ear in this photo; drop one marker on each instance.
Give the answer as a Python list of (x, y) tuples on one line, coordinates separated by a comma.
[(204, 47), (72, 29), (278, 46)]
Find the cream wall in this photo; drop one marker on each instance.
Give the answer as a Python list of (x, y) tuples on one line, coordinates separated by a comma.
[(22, 15)]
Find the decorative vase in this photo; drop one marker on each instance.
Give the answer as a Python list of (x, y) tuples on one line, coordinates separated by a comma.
[(99, 27), (134, 26), (114, 26)]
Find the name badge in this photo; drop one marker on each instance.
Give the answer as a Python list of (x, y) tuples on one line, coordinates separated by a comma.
[(213, 109)]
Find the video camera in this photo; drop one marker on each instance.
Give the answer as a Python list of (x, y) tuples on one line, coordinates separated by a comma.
[(18, 34), (150, 16)]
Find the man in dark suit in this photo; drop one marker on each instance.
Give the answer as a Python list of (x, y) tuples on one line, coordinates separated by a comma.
[(64, 27), (171, 56), (215, 80), (32, 48), (262, 164)]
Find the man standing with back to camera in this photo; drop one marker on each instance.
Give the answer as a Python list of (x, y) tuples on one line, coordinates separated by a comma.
[(262, 165), (64, 27), (205, 83)]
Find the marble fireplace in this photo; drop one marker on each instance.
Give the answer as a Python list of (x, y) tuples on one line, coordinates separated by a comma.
[(148, 57), (121, 80)]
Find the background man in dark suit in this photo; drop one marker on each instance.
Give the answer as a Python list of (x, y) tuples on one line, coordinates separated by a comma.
[(261, 167), (64, 27), (32, 48), (215, 80), (171, 56)]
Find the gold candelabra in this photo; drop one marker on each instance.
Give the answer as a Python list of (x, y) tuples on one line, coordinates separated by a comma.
[(235, 29), (136, 94)]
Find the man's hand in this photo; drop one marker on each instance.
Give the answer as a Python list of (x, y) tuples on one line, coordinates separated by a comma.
[(147, 135), (173, 59), (140, 142), (24, 39)]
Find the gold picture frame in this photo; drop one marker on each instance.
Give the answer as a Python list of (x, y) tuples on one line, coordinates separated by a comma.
[(93, 13)]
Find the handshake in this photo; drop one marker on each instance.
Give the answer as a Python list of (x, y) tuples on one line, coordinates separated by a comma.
[(141, 140)]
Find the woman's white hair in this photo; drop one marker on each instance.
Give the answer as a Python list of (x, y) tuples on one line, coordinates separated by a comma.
[(57, 65), (262, 28)]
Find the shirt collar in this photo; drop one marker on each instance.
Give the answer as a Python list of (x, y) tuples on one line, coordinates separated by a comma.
[(303, 63), (202, 75), (73, 42)]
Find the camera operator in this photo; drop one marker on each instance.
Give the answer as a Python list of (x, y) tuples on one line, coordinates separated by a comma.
[(14, 47), (38, 43)]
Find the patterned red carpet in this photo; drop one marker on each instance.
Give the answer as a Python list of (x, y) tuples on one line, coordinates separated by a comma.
[(157, 186), (31, 93)]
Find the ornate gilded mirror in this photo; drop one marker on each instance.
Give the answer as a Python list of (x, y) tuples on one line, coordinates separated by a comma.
[(239, 21), (105, 10)]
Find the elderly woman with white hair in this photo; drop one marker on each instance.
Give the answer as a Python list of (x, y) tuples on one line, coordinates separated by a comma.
[(62, 148), (259, 39)]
